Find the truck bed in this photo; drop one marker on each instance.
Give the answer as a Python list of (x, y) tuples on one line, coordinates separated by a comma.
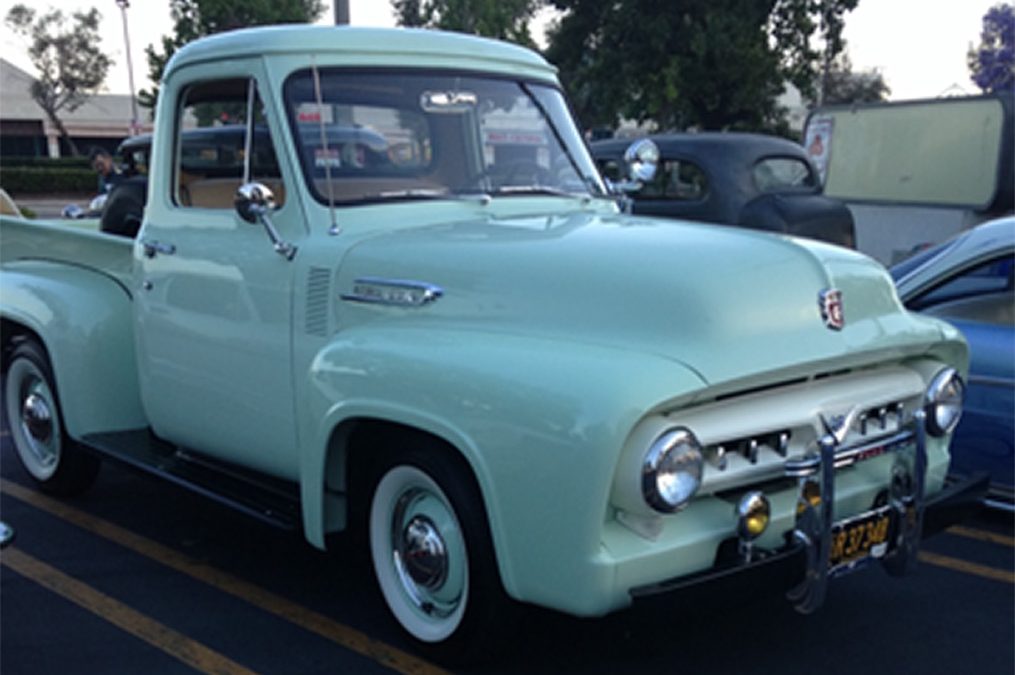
[(75, 242)]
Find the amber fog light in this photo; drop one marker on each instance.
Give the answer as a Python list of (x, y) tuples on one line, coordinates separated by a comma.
[(753, 513), (944, 402)]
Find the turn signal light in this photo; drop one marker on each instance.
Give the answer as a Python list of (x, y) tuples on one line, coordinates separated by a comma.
[(753, 512)]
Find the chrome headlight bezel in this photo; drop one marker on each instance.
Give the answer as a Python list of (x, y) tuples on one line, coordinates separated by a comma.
[(943, 402), (672, 470)]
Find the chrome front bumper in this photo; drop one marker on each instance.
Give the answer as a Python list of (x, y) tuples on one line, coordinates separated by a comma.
[(804, 560)]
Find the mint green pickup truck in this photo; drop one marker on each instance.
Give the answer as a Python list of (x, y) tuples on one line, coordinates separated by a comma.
[(407, 305)]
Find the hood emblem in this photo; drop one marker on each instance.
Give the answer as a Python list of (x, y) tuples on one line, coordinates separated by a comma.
[(830, 302), (396, 292)]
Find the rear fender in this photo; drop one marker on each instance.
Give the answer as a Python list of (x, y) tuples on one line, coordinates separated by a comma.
[(85, 321)]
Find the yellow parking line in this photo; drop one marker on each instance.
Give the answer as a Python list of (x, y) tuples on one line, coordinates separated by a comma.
[(981, 535), (992, 573), (343, 635), (177, 645)]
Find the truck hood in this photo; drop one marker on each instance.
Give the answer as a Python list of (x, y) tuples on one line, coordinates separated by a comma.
[(727, 303)]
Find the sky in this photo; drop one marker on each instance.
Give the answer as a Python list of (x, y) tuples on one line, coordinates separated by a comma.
[(919, 46)]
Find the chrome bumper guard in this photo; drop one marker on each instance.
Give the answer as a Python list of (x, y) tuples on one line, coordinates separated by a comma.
[(804, 560), (814, 523)]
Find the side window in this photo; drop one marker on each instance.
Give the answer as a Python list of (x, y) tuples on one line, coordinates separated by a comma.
[(211, 146), (776, 173), (676, 180), (973, 287)]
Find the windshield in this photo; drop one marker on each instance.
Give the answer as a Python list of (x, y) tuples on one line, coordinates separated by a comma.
[(387, 135)]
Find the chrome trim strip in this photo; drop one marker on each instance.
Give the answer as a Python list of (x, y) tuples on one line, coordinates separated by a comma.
[(991, 381), (851, 456), (380, 291), (999, 505)]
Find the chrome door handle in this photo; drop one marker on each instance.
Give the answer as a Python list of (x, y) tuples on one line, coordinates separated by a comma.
[(152, 248)]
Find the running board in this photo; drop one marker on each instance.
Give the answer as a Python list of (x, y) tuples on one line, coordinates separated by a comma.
[(268, 499)]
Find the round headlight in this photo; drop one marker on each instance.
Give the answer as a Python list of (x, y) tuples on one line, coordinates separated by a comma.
[(944, 402), (671, 472)]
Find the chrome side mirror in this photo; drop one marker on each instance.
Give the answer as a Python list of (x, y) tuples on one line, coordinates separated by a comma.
[(642, 159), (255, 202)]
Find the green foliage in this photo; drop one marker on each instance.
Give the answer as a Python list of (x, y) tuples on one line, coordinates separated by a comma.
[(708, 64), (79, 162), (41, 179), (196, 18), (501, 19), (67, 55), (843, 86), (794, 25)]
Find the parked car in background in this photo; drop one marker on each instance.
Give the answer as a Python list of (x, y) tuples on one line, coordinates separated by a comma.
[(749, 180), (968, 281)]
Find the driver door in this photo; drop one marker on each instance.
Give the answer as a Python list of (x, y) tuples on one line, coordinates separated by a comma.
[(214, 300)]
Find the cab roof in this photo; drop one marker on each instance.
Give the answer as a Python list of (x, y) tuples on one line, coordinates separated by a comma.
[(358, 46)]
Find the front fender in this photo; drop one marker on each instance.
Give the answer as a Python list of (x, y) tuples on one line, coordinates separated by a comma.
[(85, 321), (540, 421)]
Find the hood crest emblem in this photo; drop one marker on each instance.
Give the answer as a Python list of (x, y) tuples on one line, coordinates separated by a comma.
[(830, 302)]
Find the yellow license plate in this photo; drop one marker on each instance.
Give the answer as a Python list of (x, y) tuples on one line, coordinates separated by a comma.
[(866, 535)]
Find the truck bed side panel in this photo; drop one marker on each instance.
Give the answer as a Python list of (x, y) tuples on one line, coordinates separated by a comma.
[(85, 321)]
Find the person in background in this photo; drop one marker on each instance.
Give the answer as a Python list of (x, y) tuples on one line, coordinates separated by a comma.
[(109, 175)]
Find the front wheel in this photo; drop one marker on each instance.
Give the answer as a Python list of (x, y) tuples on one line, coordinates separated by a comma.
[(433, 557), (53, 460)]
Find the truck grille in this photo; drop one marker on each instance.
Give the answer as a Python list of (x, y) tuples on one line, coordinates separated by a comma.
[(748, 439)]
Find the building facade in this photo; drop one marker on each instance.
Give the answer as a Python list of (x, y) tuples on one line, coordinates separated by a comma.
[(25, 130)]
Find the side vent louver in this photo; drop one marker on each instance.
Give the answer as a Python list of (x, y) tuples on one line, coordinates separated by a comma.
[(318, 293)]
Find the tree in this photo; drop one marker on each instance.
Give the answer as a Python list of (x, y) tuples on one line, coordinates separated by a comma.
[(67, 55), (842, 85), (808, 37), (501, 19), (196, 18), (709, 64), (992, 64)]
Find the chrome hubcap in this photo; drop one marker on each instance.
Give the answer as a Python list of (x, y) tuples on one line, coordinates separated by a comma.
[(424, 554), (34, 417), (424, 542), (37, 418)]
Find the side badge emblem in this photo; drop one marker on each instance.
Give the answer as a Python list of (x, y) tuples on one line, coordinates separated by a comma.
[(830, 302)]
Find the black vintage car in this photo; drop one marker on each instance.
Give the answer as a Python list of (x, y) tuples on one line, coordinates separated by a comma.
[(749, 180)]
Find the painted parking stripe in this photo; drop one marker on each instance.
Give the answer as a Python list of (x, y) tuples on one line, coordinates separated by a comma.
[(966, 567), (175, 644), (345, 636), (982, 535)]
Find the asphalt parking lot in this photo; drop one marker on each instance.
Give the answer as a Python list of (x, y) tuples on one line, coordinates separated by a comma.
[(138, 576)]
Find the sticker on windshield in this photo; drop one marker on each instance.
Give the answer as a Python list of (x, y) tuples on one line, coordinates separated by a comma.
[(327, 158), (311, 113)]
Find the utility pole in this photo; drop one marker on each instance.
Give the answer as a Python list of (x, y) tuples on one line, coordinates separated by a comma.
[(135, 124), (341, 12)]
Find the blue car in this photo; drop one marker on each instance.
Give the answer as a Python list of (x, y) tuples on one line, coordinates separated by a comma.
[(968, 281)]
